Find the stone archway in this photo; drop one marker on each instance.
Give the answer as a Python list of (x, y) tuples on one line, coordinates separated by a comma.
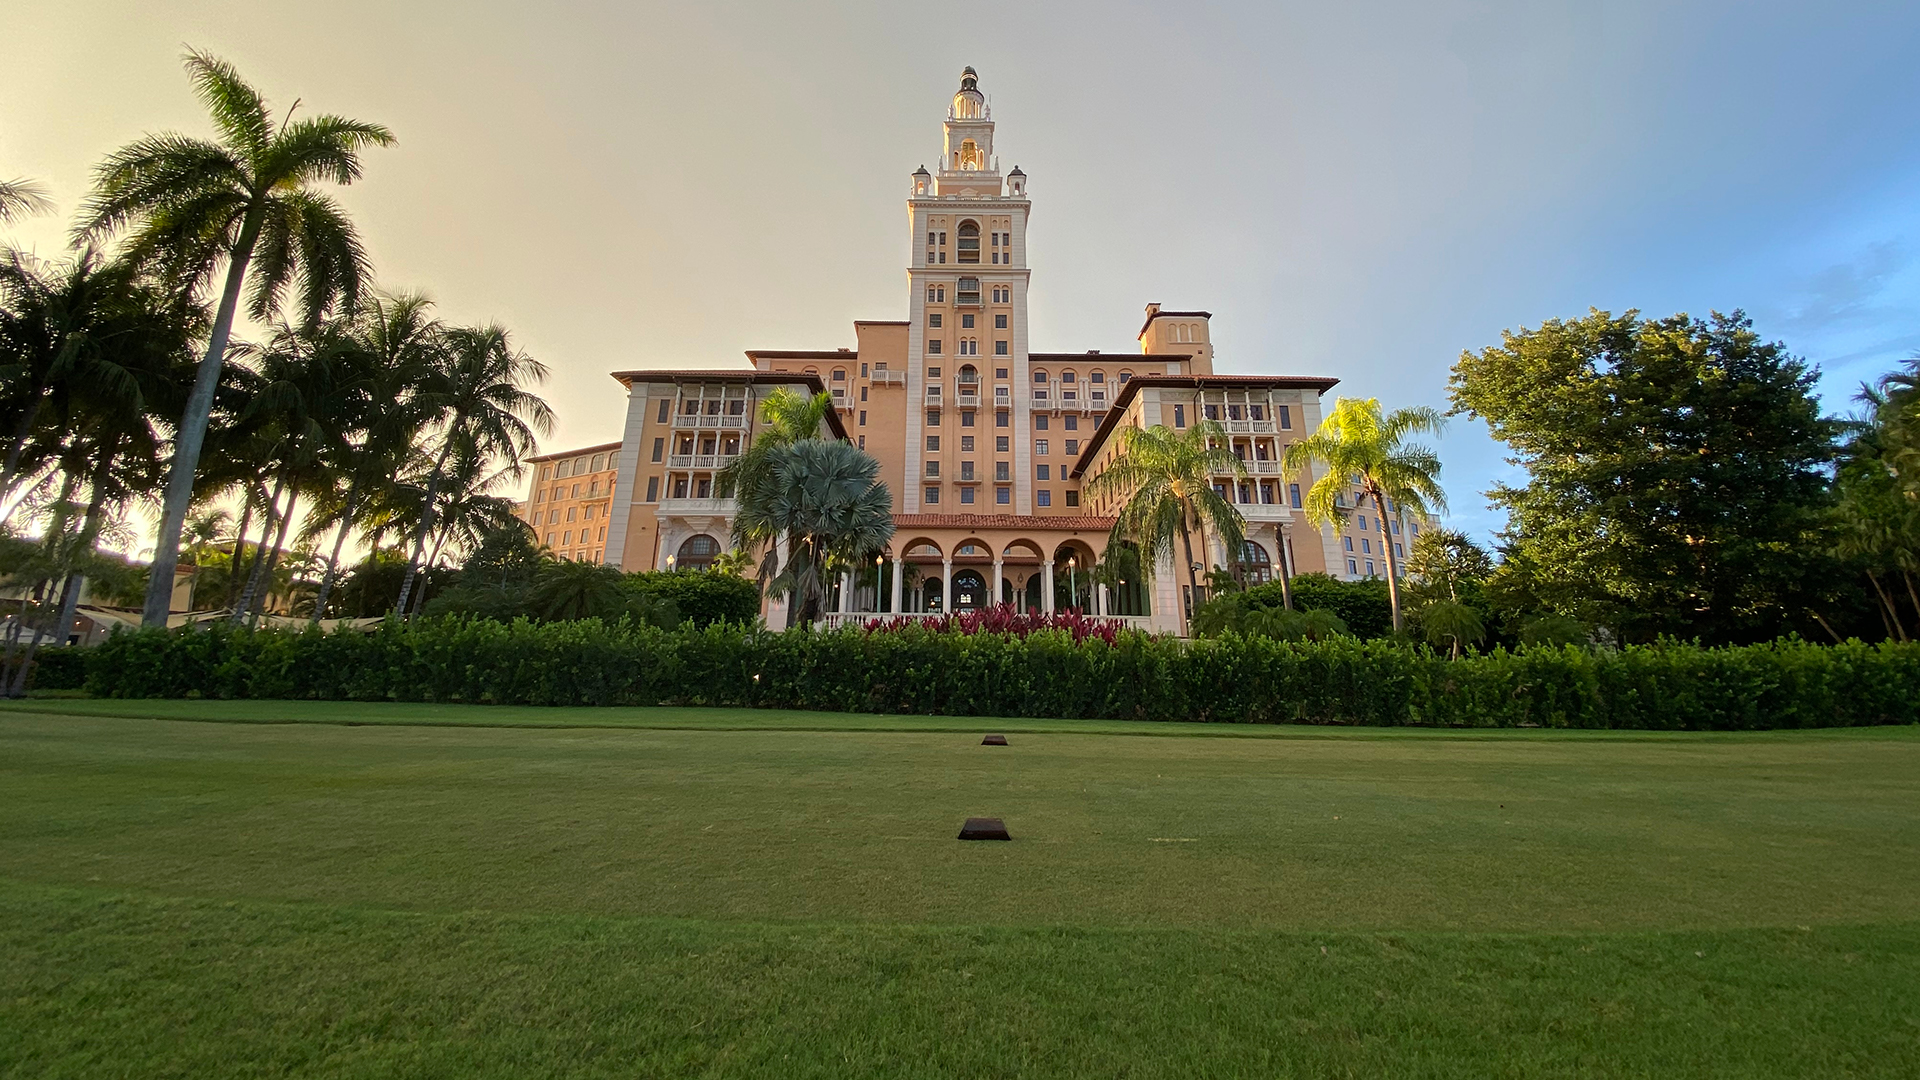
[(969, 590)]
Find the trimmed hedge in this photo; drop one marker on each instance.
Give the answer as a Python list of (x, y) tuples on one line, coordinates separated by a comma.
[(1230, 679)]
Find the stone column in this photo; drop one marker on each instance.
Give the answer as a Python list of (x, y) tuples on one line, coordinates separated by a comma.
[(1046, 588), (899, 573), (996, 581), (946, 586)]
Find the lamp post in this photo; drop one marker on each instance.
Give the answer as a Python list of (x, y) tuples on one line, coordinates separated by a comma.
[(1073, 581), (876, 582)]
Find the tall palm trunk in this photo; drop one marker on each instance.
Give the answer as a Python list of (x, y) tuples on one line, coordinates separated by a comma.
[(1892, 613), (89, 528), (426, 520), (193, 426), (15, 677), (240, 609), (1393, 564), (419, 600), (339, 542), (1286, 571), (239, 552), (1193, 585), (18, 443), (273, 557)]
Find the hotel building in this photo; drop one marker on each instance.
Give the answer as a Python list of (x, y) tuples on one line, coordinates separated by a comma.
[(985, 445)]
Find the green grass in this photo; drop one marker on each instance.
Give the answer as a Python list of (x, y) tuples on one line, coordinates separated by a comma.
[(324, 889)]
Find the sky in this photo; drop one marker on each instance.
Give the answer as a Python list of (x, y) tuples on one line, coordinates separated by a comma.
[(1362, 190)]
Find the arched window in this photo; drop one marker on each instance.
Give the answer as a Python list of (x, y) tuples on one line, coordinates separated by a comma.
[(967, 290), (1097, 376), (1066, 376), (697, 552), (1039, 376), (969, 247), (969, 375), (839, 374), (1126, 377), (1257, 566)]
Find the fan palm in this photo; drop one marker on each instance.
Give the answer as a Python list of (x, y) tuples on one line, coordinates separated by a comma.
[(785, 418), (826, 500), (1165, 478), (1359, 446), (246, 202), (478, 394)]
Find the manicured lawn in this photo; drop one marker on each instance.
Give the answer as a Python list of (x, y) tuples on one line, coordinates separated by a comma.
[(353, 890)]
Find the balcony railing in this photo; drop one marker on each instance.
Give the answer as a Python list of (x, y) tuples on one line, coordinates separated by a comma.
[(882, 377), (700, 420), (699, 461), (686, 507), (969, 398), (865, 618), (933, 395)]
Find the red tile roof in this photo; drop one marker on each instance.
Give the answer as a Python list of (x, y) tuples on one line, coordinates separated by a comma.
[(558, 454), (1152, 315)]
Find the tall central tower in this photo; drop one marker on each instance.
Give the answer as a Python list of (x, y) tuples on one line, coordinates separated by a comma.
[(967, 332)]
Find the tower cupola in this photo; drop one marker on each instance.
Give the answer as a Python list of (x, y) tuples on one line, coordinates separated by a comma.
[(969, 103)]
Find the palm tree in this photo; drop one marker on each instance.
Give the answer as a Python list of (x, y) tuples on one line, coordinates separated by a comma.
[(245, 201), (1166, 479), (785, 418), (400, 346), (19, 198), (826, 500), (1360, 447), (575, 590), (311, 394), (85, 327), (478, 393)]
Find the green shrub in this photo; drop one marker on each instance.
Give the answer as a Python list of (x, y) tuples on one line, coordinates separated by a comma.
[(701, 597), (59, 669), (1232, 678), (1363, 606)]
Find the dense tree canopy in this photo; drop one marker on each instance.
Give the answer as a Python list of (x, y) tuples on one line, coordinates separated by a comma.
[(1677, 474)]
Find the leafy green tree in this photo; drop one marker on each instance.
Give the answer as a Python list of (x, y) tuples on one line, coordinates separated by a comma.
[(1165, 479), (1676, 473), (1359, 446), (1363, 607), (245, 202), (826, 502), (1451, 624)]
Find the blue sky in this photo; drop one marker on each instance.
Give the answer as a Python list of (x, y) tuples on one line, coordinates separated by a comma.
[(1362, 190)]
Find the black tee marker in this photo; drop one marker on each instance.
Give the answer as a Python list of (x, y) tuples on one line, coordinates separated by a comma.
[(984, 828), (994, 740)]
